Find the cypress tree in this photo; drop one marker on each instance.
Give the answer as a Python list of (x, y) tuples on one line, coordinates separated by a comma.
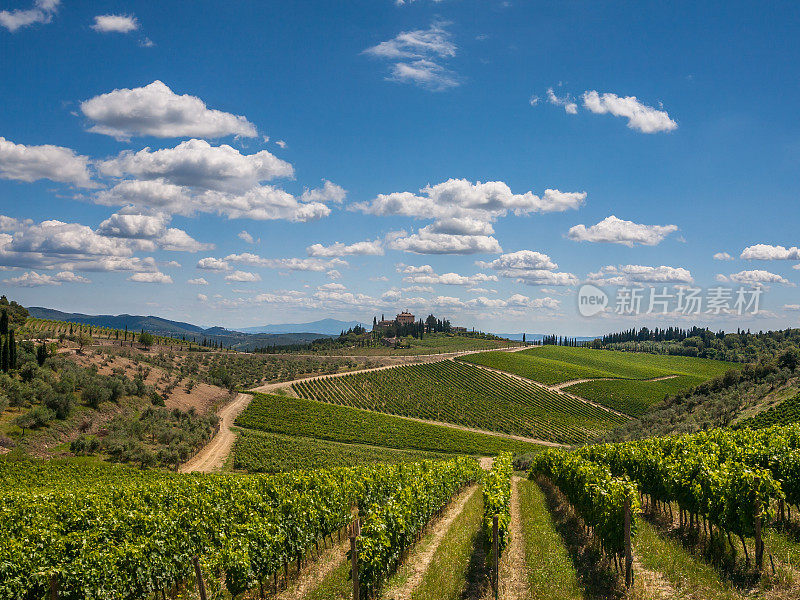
[(4, 356), (4, 322), (12, 351), (41, 354)]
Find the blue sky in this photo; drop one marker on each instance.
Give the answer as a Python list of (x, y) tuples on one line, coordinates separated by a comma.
[(477, 159)]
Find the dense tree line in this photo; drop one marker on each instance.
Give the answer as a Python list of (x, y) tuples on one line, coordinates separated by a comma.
[(555, 340), (742, 346), (669, 334)]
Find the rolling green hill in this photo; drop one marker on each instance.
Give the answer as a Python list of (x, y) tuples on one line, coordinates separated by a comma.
[(557, 364), (311, 419), (467, 395)]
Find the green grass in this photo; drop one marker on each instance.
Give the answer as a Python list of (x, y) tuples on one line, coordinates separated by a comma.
[(630, 396), (556, 364), (260, 452), (334, 586), (463, 394), (446, 577), (551, 572), (689, 576), (307, 418), (783, 548)]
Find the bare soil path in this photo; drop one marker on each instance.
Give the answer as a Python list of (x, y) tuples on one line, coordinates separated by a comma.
[(566, 384), (513, 567), (420, 559), (653, 584), (314, 572), (213, 455)]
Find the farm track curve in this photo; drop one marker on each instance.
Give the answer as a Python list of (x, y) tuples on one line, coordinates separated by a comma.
[(213, 455), (558, 390)]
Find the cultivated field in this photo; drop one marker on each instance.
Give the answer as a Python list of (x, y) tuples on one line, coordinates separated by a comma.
[(261, 452), (624, 381), (467, 395), (630, 396), (311, 419), (557, 364)]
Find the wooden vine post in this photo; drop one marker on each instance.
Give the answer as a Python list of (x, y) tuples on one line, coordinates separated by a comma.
[(757, 528), (53, 587), (355, 531), (627, 540), (201, 585), (495, 556)]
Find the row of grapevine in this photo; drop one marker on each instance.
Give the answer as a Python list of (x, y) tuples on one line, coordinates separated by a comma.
[(309, 418), (392, 525), (558, 364), (604, 502), (466, 395), (36, 326), (731, 479), (497, 500), (785, 413), (139, 534)]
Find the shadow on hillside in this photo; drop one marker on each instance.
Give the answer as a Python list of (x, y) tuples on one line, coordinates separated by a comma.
[(478, 582), (596, 572)]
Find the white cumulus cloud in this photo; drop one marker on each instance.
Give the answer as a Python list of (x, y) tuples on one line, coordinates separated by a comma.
[(640, 274), (42, 12), (155, 110), (155, 277), (246, 237), (243, 277), (428, 241), (31, 163), (196, 163), (618, 231), (641, 117), (531, 268), (769, 252), (755, 276), (34, 279), (115, 23), (367, 247), (460, 198)]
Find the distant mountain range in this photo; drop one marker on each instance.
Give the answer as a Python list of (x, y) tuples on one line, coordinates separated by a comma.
[(240, 340), (324, 326), (245, 338)]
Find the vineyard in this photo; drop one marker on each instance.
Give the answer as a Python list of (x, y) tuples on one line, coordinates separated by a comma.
[(80, 333), (128, 537), (311, 419), (630, 396), (465, 395), (785, 413), (621, 377), (260, 452), (557, 364)]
